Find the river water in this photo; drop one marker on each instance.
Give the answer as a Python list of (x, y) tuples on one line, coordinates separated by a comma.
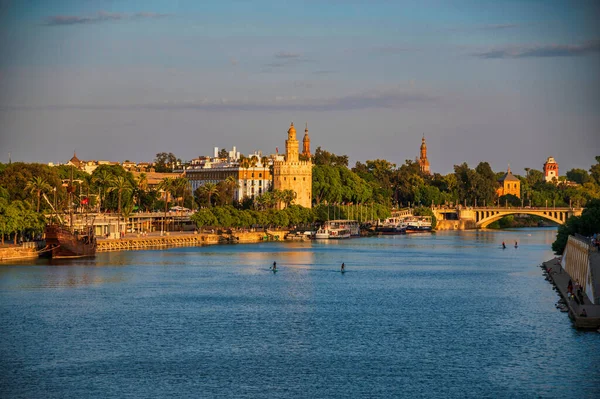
[(443, 315)]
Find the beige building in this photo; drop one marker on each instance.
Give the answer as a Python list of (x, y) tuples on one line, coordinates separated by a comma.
[(293, 174), (509, 184), (252, 181)]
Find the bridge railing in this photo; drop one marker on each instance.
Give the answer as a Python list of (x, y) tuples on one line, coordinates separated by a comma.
[(499, 207)]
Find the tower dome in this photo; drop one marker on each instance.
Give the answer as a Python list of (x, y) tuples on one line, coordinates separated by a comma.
[(292, 131)]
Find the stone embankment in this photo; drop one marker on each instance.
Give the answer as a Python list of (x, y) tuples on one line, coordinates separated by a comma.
[(167, 240), (579, 266), (12, 253)]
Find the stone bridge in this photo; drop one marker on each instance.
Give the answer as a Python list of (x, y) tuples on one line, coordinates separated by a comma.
[(481, 217)]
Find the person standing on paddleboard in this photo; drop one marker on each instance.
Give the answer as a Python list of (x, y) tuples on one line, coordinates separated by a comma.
[(274, 268), (343, 268)]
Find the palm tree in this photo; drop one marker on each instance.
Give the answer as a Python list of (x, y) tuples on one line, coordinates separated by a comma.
[(264, 161), (167, 185), (287, 197), (37, 185), (233, 185), (142, 187), (121, 185), (102, 179), (181, 184), (210, 189), (261, 202), (253, 161)]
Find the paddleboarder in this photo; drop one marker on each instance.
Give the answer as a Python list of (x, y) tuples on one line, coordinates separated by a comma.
[(274, 268), (343, 268), (503, 245)]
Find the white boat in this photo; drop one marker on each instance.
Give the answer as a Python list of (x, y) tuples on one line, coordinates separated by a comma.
[(336, 229), (418, 224), (393, 225)]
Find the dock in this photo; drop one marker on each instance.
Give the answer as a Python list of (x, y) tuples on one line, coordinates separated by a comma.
[(559, 277), (185, 239)]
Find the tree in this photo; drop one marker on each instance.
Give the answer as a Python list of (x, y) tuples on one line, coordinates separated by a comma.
[(323, 157), (37, 185), (210, 190), (102, 178), (579, 176), (485, 187), (587, 224), (165, 162), (121, 185), (288, 197), (232, 185), (595, 171), (181, 186)]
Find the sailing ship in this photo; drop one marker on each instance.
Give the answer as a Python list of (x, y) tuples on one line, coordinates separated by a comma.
[(64, 242)]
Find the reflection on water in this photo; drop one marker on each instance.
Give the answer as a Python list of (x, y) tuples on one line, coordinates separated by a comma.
[(449, 314)]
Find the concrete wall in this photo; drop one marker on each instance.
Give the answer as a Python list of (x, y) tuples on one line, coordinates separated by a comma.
[(454, 225), (576, 261)]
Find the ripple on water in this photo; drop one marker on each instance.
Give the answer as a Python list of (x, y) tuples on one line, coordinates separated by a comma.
[(444, 315)]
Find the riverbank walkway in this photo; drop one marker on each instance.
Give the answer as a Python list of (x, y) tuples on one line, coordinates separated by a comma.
[(151, 240), (560, 278)]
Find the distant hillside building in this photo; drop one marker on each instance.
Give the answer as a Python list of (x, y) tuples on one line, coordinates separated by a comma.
[(293, 174), (509, 184), (550, 170), (423, 161)]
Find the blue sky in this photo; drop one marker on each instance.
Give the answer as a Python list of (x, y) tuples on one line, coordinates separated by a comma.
[(502, 81)]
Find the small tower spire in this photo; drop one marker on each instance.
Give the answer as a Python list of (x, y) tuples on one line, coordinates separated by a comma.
[(306, 142)]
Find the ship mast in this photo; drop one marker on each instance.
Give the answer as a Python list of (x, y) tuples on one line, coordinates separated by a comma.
[(70, 190)]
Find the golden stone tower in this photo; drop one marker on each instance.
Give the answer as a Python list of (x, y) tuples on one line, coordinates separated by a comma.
[(293, 174)]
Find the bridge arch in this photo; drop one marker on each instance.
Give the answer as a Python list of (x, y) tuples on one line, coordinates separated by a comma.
[(486, 217)]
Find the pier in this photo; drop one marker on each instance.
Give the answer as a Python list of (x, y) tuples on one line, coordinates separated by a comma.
[(185, 239), (580, 264)]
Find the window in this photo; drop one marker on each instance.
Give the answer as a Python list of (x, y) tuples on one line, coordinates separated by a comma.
[(260, 175), (294, 179)]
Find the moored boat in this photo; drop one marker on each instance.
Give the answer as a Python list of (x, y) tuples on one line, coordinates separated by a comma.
[(392, 225), (418, 224), (336, 229), (63, 242)]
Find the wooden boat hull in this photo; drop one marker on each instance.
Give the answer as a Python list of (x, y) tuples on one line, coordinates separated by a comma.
[(62, 243)]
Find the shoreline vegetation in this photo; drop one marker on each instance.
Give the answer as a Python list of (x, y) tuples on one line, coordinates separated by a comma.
[(366, 192)]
